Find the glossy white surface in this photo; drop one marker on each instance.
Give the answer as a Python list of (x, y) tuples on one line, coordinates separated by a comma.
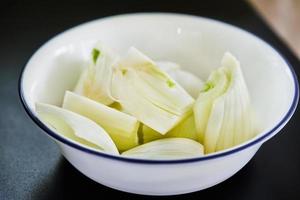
[(157, 179), (198, 45)]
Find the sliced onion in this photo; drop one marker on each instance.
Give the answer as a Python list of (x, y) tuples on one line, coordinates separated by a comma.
[(224, 116), (190, 82), (169, 148), (95, 80), (148, 93), (76, 127), (121, 127)]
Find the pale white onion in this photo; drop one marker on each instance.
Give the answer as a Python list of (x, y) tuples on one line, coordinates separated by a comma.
[(76, 127), (121, 127), (169, 148)]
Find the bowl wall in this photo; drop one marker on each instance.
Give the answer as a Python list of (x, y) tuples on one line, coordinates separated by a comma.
[(157, 179)]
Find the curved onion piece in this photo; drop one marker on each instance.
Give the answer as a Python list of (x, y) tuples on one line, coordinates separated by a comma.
[(148, 93), (76, 127), (133, 103), (215, 86), (190, 82), (227, 111), (214, 126), (121, 127), (169, 148), (239, 117), (95, 80)]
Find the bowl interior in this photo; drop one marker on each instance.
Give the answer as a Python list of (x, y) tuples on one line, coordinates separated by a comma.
[(197, 44)]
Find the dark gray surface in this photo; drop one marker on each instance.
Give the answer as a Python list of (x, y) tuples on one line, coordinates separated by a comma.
[(30, 164)]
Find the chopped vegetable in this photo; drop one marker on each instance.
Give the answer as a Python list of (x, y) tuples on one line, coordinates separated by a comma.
[(76, 127), (169, 148), (148, 93), (215, 86), (223, 114), (119, 103), (191, 83), (95, 80), (121, 127)]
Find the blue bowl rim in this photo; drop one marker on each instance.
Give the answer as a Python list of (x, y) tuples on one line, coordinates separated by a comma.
[(283, 121)]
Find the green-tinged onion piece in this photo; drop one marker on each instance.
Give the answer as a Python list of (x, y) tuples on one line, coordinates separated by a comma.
[(95, 80), (148, 93), (121, 127), (169, 148), (215, 86), (76, 127), (223, 114), (190, 82)]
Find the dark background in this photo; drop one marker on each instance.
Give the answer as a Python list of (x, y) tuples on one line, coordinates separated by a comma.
[(31, 166)]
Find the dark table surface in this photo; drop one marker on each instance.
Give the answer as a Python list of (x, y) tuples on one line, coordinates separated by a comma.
[(31, 166)]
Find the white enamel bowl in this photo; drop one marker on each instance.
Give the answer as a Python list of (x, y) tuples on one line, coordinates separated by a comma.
[(197, 44)]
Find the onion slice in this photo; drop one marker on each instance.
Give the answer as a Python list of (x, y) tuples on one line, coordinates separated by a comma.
[(223, 113), (95, 80), (169, 148), (148, 93), (76, 127), (121, 127)]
